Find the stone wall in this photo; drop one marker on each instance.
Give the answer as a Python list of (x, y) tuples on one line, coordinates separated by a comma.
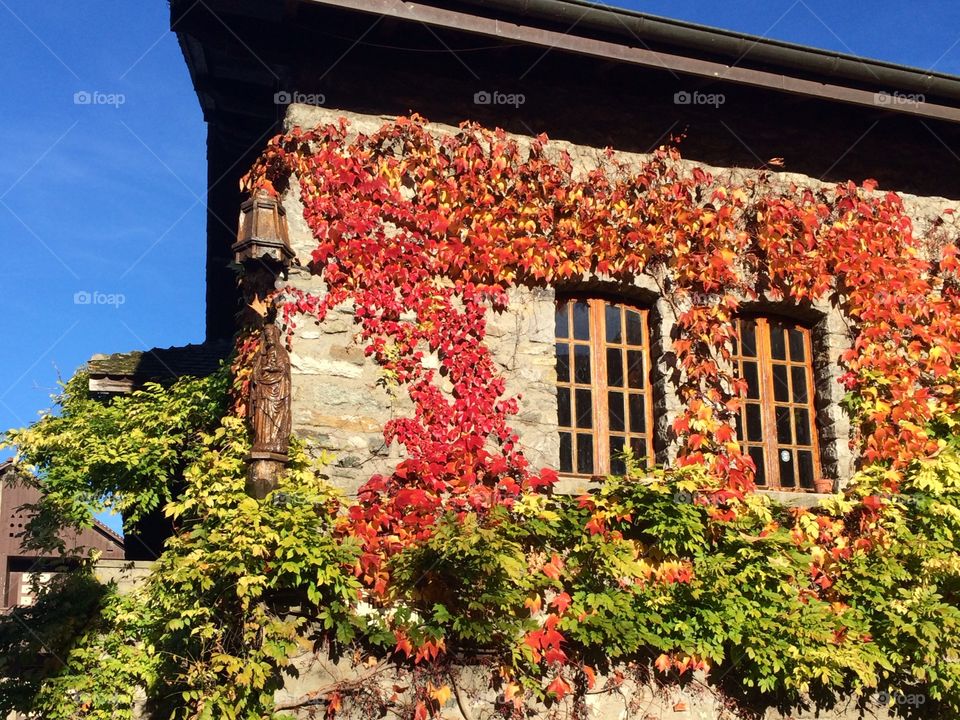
[(341, 401), (633, 696), (127, 574)]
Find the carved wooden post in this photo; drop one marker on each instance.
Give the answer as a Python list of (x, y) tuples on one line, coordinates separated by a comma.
[(263, 252), (268, 412)]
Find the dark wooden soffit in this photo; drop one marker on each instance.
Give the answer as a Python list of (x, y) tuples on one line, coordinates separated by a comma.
[(630, 27), (582, 82), (878, 77)]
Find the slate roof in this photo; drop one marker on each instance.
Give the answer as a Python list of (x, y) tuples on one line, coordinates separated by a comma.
[(123, 372)]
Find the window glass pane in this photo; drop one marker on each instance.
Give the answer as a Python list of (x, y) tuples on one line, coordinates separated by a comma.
[(786, 468), (638, 446), (615, 367), (563, 323), (748, 338), (797, 353), (801, 420), (799, 384), (635, 377), (783, 425), (738, 424), (566, 452), (778, 348), (634, 328), (585, 454), (638, 418), (805, 468), (752, 377), (584, 409), (615, 411), (781, 391), (581, 364), (614, 332), (581, 320), (563, 407), (756, 454), (563, 362), (617, 465), (754, 424)]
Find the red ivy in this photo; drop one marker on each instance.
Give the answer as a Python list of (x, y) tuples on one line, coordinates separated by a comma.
[(424, 232)]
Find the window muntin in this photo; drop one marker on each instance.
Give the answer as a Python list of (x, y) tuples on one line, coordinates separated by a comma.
[(775, 425), (603, 386)]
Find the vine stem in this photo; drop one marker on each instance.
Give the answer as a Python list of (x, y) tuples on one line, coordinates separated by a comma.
[(456, 693), (317, 696)]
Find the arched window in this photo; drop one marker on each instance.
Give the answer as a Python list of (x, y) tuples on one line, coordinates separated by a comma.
[(603, 385), (776, 422)]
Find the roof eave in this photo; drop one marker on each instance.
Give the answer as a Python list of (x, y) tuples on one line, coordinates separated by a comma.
[(843, 76)]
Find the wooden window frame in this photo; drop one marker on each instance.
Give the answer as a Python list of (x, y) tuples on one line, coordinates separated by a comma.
[(599, 387), (768, 403)]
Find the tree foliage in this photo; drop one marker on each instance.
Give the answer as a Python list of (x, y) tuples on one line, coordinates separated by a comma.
[(205, 636), (153, 437)]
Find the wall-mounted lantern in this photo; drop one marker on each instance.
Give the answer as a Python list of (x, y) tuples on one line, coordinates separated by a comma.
[(262, 230)]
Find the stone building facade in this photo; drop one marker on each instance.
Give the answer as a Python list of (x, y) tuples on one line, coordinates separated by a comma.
[(340, 404), (590, 77)]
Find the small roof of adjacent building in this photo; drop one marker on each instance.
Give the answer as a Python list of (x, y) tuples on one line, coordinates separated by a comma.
[(124, 372)]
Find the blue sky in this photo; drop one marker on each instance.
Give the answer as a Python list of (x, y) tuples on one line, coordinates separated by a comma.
[(94, 197), (107, 196)]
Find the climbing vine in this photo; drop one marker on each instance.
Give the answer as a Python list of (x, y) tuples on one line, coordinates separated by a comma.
[(463, 553), (424, 231), (408, 221)]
